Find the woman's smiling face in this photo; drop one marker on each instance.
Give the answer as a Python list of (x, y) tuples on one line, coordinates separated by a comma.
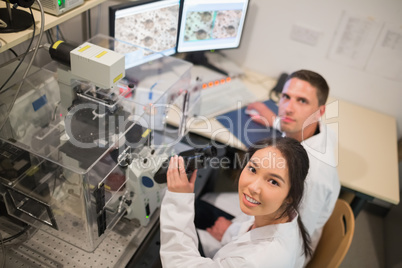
[(264, 185)]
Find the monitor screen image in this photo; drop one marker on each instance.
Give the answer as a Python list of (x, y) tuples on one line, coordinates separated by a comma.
[(150, 24), (211, 24)]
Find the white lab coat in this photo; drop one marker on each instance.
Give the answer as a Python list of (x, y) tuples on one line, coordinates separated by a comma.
[(278, 245), (321, 192), (322, 183)]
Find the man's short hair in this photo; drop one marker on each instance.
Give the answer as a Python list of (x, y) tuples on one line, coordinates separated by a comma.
[(316, 80)]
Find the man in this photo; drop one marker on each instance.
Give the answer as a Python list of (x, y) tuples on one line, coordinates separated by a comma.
[(300, 108)]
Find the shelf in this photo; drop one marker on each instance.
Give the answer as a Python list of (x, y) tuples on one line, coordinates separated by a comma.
[(9, 40)]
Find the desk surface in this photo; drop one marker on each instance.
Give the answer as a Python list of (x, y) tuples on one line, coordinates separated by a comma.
[(9, 40), (368, 157), (367, 149)]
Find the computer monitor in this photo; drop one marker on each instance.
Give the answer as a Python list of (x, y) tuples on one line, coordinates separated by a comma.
[(149, 24), (210, 25)]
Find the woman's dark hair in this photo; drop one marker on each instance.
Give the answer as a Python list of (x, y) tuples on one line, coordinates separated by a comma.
[(298, 164)]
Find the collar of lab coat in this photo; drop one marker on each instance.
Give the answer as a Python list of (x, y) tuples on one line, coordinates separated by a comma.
[(323, 145), (264, 232)]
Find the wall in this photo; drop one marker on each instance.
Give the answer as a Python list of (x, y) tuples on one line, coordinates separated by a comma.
[(268, 48)]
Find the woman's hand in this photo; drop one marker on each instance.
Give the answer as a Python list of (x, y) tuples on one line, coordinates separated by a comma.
[(177, 180), (219, 228), (265, 116)]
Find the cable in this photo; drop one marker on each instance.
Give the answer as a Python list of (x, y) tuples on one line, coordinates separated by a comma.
[(18, 57), (11, 238), (8, 239), (98, 19), (89, 23), (12, 51), (61, 34), (49, 36), (42, 26), (19, 64), (42, 29)]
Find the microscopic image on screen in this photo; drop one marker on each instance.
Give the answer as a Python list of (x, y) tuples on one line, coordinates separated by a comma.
[(207, 25), (226, 23), (155, 29)]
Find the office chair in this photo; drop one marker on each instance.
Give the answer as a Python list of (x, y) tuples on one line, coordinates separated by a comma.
[(336, 237)]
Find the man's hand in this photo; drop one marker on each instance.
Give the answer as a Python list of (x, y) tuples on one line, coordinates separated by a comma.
[(177, 180), (219, 228), (265, 116)]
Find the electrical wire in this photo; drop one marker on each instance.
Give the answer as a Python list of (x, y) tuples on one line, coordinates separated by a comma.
[(12, 51), (18, 57), (98, 19), (19, 64), (11, 238), (42, 26), (8, 239), (61, 33), (49, 36)]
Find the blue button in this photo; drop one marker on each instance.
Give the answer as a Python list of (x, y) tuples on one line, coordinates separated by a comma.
[(147, 182)]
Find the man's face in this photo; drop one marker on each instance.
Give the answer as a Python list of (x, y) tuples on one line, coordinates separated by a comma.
[(298, 103)]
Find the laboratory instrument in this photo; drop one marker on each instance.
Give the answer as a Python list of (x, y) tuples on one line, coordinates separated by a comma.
[(58, 7), (78, 157)]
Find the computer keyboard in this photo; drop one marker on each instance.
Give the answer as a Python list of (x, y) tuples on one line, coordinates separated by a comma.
[(225, 97)]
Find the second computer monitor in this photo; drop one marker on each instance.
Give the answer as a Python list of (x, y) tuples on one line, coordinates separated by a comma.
[(150, 24), (211, 24)]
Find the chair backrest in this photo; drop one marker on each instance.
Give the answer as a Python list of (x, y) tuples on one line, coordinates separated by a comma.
[(336, 237)]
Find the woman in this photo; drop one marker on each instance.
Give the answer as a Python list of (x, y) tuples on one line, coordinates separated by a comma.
[(270, 189)]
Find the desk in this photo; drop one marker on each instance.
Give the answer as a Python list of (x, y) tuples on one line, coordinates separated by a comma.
[(367, 149), (9, 40), (368, 157)]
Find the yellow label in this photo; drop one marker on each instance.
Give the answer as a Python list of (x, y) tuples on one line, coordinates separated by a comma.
[(146, 132), (117, 78), (101, 54), (84, 48), (55, 45)]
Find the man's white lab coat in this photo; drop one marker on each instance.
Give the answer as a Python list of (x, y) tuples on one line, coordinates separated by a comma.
[(322, 184)]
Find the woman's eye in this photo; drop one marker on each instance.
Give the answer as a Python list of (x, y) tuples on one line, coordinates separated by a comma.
[(274, 182), (252, 169)]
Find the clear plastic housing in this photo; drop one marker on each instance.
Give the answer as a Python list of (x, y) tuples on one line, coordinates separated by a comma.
[(66, 146)]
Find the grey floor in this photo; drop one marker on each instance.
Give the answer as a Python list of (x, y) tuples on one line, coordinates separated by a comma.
[(377, 241), (367, 249)]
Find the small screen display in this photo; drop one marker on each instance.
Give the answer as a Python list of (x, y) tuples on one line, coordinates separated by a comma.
[(151, 25), (209, 25)]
